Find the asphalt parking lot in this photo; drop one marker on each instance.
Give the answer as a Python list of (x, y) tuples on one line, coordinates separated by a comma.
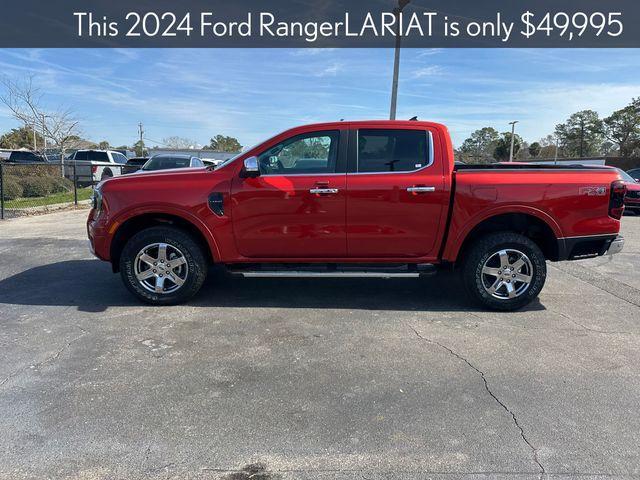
[(311, 379)]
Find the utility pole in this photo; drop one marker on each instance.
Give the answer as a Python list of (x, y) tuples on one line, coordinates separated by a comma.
[(555, 160), (141, 133), (35, 143), (513, 130), (581, 136), (396, 60)]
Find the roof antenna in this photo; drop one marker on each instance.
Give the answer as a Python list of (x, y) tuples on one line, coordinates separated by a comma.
[(414, 118)]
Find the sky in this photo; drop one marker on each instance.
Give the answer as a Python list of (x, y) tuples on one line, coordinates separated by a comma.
[(252, 94)]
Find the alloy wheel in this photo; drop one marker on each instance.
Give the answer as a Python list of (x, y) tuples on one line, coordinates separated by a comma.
[(507, 274), (161, 268)]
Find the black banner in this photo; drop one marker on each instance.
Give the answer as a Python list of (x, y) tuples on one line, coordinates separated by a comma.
[(313, 24)]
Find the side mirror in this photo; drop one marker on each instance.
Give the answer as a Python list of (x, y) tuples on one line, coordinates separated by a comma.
[(251, 168)]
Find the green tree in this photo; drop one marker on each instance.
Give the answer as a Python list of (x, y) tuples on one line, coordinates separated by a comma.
[(534, 149), (622, 128), (222, 143), (478, 148), (503, 146), (20, 138), (103, 145), (581, 135), (140, 148)]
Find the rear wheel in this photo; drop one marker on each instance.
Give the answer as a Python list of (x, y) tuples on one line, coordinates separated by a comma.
[(106, 174), (163, 265), (504, 271)]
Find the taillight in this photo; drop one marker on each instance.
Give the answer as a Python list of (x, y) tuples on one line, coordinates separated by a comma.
[(94, 168), (616, 200)]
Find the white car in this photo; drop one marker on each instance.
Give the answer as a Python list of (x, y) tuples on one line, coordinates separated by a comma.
[(92, 166)]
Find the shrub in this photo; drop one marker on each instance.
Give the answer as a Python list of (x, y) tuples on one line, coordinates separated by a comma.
[(12, 188), (34, 170), (61, 185), (36, 186)]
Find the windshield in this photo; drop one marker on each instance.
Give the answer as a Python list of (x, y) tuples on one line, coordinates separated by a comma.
[(229, 160), (625, 176), (164, 163)]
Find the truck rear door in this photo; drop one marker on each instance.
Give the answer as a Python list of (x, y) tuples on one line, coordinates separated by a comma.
[(395, 193)]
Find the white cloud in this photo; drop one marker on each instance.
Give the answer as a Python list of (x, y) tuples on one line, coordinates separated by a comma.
[(427, 52), (330, 70), (429, 71)]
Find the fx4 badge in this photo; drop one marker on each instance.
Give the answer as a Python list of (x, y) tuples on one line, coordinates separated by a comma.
[(593, 191)]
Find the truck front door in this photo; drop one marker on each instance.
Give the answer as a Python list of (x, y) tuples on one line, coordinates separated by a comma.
[(295, 208), (396, 193)]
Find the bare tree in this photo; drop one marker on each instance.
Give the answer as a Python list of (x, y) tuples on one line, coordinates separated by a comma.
[(179, 143), (24, 100)]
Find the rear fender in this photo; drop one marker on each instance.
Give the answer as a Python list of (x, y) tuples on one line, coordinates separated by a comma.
[(456, 239)]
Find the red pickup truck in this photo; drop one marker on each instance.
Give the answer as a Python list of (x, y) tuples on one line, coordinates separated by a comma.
[(369, 198)]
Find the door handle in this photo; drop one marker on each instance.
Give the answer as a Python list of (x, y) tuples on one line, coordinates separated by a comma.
[(323, 191), (421, 189)]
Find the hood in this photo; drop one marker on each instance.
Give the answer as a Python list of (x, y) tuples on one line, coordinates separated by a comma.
[(151, 175)]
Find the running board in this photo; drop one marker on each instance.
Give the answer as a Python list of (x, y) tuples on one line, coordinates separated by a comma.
[(332, 271)]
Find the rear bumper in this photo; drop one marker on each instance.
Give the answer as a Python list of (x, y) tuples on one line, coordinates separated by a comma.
[(616, 245), (576, 248)]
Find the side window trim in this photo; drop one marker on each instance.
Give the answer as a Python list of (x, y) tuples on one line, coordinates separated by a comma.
[(341, 155), (353, 155)]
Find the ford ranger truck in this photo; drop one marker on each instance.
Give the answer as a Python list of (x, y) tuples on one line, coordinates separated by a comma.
[(369, 198)]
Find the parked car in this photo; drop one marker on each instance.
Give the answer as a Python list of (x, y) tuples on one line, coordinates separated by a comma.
[(134, 164), (635, 173), (632, 199), (25, 157), (92, 166), (210, 162), (377, 198), (166, 161)]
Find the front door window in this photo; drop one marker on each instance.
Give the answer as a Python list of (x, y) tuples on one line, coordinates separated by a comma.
[(302, 155)]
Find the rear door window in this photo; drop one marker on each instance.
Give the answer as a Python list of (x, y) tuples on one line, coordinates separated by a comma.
[(98, 157), (384, 151)]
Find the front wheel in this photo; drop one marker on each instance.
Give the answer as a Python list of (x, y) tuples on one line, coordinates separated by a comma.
[(163, 265), (504, 271)]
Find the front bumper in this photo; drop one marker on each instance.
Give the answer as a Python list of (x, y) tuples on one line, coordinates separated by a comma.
[(98, 239)]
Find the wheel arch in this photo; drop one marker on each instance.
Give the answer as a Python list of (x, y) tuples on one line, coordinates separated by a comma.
[(135, 223), (542, 231)]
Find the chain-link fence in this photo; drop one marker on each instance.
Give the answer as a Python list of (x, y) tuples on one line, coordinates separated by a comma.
[(27, 189)]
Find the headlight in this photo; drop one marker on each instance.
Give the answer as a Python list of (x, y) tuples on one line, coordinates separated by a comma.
[(96, 200)]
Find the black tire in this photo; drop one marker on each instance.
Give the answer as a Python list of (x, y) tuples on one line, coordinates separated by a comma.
[(106, 174), (485, 250), (195, 262)]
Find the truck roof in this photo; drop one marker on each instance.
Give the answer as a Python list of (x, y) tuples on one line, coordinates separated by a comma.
[(377, 123)]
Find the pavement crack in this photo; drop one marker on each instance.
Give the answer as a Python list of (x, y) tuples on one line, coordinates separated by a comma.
[(589, 329), (533, 449), (50, 358)]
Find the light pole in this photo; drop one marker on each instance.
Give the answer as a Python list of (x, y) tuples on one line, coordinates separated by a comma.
[(396, 60), (513, 130)]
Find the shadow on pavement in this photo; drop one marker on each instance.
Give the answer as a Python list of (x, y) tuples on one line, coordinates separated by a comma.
[(91, 286)]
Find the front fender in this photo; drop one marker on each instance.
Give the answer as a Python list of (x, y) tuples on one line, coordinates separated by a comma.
[(121, 218)]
